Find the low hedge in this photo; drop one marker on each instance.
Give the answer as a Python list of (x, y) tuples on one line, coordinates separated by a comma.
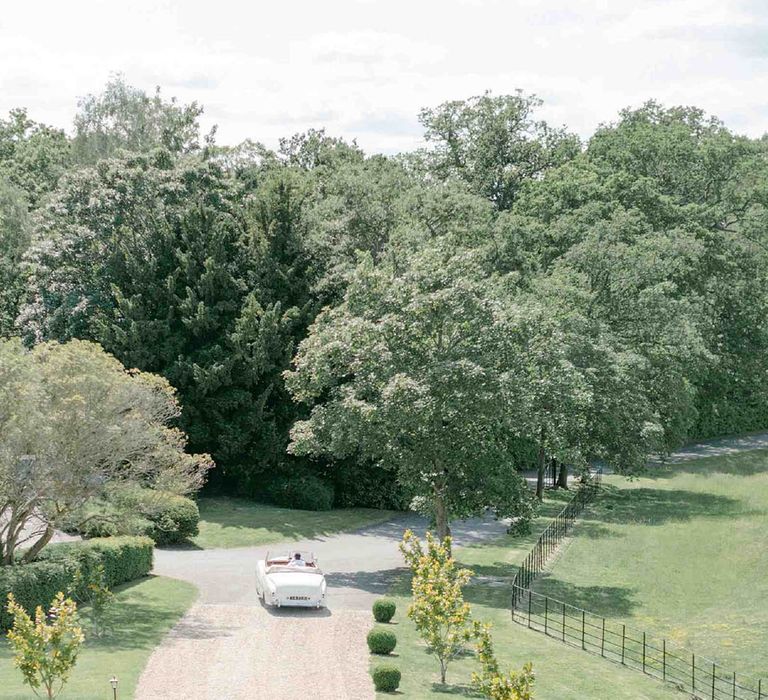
[(384, 610), (124, 559), (386, 678), (381, 641)]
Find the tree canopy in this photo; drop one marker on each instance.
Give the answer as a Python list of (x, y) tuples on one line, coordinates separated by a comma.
[(423, 325)]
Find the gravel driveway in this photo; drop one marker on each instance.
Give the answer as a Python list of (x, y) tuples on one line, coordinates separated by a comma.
[(228, 646)]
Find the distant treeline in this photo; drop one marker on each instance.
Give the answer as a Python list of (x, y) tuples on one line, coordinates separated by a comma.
[(628, 273)]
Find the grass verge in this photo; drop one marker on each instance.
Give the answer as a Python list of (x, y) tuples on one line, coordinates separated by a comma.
[(144, 612), (562, 673), (233, 522), (681, 553)]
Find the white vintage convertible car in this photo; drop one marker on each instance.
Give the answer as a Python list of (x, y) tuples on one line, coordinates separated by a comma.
[(285, 579)]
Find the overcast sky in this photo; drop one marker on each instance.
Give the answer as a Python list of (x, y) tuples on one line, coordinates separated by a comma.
[(364, 68)]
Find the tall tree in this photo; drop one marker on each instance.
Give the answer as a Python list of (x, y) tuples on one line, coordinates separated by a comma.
[(408, 372), (73, 423), (494, 144)]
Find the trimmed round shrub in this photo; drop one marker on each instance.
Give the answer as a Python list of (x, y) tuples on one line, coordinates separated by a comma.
[(381, 641), (386, 678), (305, 492), (172, 518), (384, 610)]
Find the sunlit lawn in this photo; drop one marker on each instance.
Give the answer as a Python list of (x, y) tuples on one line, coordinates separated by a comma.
[(563, 673), (681, 553), (144, 612), (232, 522)]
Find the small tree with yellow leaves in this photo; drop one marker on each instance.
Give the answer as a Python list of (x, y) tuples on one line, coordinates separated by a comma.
[(491, 682), (438, 610), (45, 650)]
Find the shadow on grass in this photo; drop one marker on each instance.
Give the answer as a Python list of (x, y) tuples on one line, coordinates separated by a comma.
[(460, 689), (233, 514), (650, 506), (135, 624), (606, 601), (379, 582), (741, 464)]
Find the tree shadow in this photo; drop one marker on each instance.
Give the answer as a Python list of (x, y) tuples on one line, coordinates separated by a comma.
[(605, 601), (460, 689), (713, 462), (649, 506), (378, 582), (135, 624)]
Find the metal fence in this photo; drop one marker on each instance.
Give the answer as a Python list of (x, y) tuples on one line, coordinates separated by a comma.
[(702, 678), (553, 534)]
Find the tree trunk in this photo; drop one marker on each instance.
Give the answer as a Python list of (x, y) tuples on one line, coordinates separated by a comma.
[(540, 477), (34, 550), (442, 527), (443, 669), (562, 478)]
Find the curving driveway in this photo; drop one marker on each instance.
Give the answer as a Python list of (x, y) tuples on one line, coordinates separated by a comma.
[(230, 647)]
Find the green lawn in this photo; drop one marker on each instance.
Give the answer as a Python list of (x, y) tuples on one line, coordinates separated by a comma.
[(562, 673), (144, 613), (232, 522), (681, 553)]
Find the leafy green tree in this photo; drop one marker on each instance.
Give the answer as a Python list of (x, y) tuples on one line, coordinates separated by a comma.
[(33, 156), (491, 682), (174, 270), (14, 241), (124, 118), (494, 144), (408, 372), (438, 610), (75, 423), (46, 650)]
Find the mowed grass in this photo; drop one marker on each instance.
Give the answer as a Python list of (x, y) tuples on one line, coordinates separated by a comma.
[(233, 522), (562, 673), (144, 612), (681, 553)]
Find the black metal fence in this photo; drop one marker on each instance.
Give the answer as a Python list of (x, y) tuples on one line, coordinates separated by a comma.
[(700, 677), (553, 534)]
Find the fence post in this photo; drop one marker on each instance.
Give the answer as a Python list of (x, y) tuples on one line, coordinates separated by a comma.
[(760, 689), (563, 621), (546, 615), (734, 685), (602, 640), (583, 625), (664, 659), (530, 597), (714, 669), (693, 673), (623, 638), (643, 652)]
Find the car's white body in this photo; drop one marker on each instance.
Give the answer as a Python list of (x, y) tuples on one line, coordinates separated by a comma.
[(282, 585)]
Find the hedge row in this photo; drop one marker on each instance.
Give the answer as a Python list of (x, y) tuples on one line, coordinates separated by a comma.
[(124, 559)]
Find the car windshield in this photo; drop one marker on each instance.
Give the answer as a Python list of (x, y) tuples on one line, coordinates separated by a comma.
[(292, 561)]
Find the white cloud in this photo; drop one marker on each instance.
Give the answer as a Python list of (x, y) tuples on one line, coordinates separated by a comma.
[(364, 68)]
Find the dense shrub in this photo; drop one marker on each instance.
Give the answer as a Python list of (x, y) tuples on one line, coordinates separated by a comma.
[(365, 485), (172, 518), (305, 492), (165, 517), (384, 610), (386, 678), (381, 641), (37, 583)]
